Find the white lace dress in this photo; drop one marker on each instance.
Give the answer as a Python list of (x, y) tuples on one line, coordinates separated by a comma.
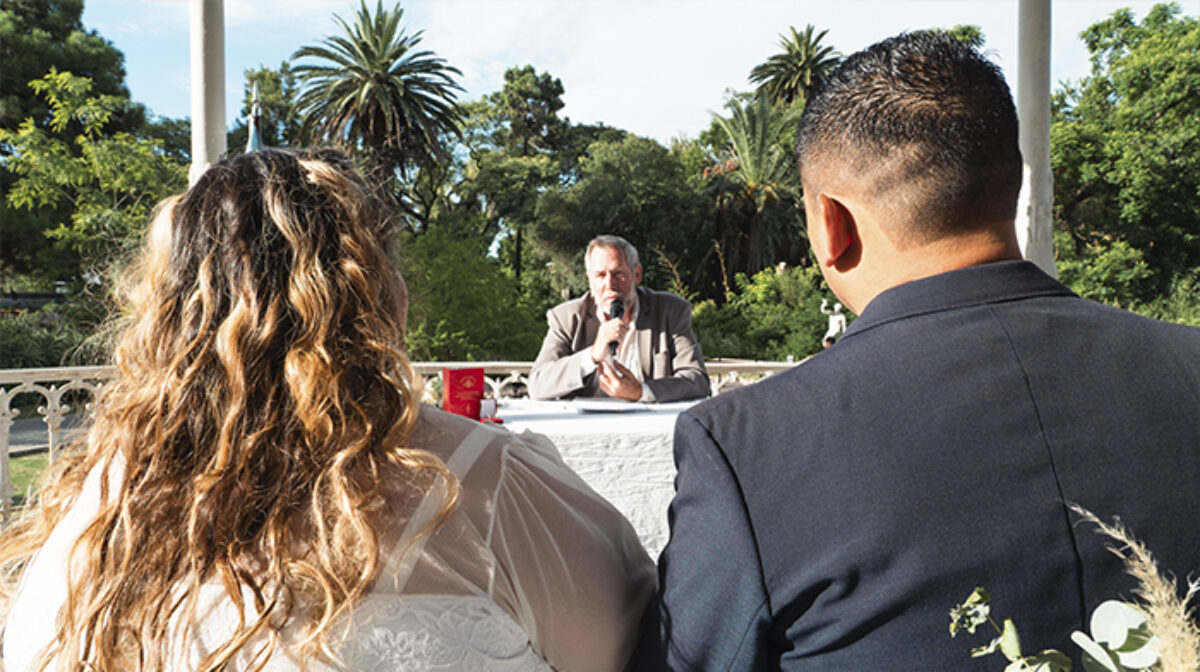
[(532, 572)]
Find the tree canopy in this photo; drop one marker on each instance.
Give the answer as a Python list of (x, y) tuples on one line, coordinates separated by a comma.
[(499, 195), (36, 35), (1125, 150), (755, 186), (369, 90), (794, 73), (111, 182)]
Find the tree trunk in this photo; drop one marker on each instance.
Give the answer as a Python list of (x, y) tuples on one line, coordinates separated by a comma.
[(517, 261)]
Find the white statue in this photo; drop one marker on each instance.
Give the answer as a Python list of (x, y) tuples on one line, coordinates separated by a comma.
[(837, 322)]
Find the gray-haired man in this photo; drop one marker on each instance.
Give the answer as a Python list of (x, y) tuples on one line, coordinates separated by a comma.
[(657, 357)]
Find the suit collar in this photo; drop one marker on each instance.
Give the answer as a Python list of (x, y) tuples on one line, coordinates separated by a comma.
[(987, 283)]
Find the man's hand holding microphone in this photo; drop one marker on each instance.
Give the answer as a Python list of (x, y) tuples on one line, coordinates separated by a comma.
[(615, 380)]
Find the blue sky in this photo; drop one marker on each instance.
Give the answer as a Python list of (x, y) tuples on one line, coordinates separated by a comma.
[(653, 67)]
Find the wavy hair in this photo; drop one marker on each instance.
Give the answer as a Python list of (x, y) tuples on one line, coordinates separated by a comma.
[(255, 436)]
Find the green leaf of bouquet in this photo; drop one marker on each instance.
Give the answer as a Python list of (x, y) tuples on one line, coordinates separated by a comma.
[(1093, 664), (980, 651), (1112, 621), (978, 596), (1135, 640), (1142, 657), (1095, 657), (1049, 660), (1010, 642)]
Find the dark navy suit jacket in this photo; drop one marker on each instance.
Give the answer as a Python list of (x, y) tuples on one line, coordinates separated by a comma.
[(829, 517)]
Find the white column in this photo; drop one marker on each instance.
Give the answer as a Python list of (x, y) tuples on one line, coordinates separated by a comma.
[(1034, 207), (208, 85)]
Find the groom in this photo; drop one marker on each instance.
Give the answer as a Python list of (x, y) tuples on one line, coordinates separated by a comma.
[(829, 517)]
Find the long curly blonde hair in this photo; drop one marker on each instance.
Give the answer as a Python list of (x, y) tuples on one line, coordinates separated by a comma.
[(256, 428)]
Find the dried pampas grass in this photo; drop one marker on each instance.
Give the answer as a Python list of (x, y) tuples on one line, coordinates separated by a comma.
[(1167, 615)]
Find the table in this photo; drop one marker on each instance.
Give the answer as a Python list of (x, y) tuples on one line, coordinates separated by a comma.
[(624, 455)]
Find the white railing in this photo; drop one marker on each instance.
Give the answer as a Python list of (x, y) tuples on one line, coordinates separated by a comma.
[(55, 395)]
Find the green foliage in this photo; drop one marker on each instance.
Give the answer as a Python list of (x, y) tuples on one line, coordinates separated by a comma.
[(774, 314), (174, 136), (279, 120), (694, 159), (462, 305), (370, 91), (40, 34), (1120, 640), (755, 191), (27, 470), (515, 143), (970, 35), (975, 612), (635, 188), (972, 613), (1125, 145), (578, 142), (1107, 271), (42, 338), (29, 261), (1179, 303), (529, 105), (792, 75), (36, 35), (765, 168), (111, 182)]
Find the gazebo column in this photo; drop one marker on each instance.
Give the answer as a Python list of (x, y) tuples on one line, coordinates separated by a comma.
[(208, 85), (1034, 208)]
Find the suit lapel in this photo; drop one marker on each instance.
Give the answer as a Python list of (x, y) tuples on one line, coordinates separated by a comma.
[(645, 336), (587, 317)]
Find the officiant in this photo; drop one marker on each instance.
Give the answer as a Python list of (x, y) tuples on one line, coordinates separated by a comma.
[(619, 340)]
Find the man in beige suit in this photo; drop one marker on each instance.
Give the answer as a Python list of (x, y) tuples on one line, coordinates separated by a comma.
[(657, 358)]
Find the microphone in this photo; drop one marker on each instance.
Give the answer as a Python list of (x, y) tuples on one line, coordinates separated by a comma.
[(615, 310)]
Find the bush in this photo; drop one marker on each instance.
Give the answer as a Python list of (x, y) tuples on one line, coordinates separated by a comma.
[(1181, 302), (50, 337), (462, 305), (771, 315), (1112, 273)]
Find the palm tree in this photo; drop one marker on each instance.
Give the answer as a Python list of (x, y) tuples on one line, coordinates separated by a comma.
[(793, 74), (371, 92), (761, 173)]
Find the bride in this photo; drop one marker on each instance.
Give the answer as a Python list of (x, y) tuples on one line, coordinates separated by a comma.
[(262, 490)]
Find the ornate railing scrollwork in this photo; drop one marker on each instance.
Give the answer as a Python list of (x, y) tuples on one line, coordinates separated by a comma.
[(61, 390), (64, 390)]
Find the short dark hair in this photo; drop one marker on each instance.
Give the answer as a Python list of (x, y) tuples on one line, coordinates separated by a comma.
[(925, 119)]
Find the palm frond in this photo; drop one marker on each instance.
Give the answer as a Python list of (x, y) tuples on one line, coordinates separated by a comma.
[(793, 74), (369, 89)]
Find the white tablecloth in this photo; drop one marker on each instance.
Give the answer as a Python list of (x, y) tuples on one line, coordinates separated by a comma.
[(625, 456)]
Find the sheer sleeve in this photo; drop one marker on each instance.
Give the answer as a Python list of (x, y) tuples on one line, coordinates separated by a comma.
[(567, 563), (32, 619)]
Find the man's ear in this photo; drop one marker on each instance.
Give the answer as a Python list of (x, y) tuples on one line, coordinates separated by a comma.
[(839, 246), (637, 275)]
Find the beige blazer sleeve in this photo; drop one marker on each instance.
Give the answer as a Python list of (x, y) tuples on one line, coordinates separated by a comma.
[(557, 372)]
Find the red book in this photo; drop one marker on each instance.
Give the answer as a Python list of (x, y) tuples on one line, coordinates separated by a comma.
[(461, 391)]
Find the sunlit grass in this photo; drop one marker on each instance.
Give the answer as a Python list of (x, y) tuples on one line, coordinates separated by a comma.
[(25, 470)]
